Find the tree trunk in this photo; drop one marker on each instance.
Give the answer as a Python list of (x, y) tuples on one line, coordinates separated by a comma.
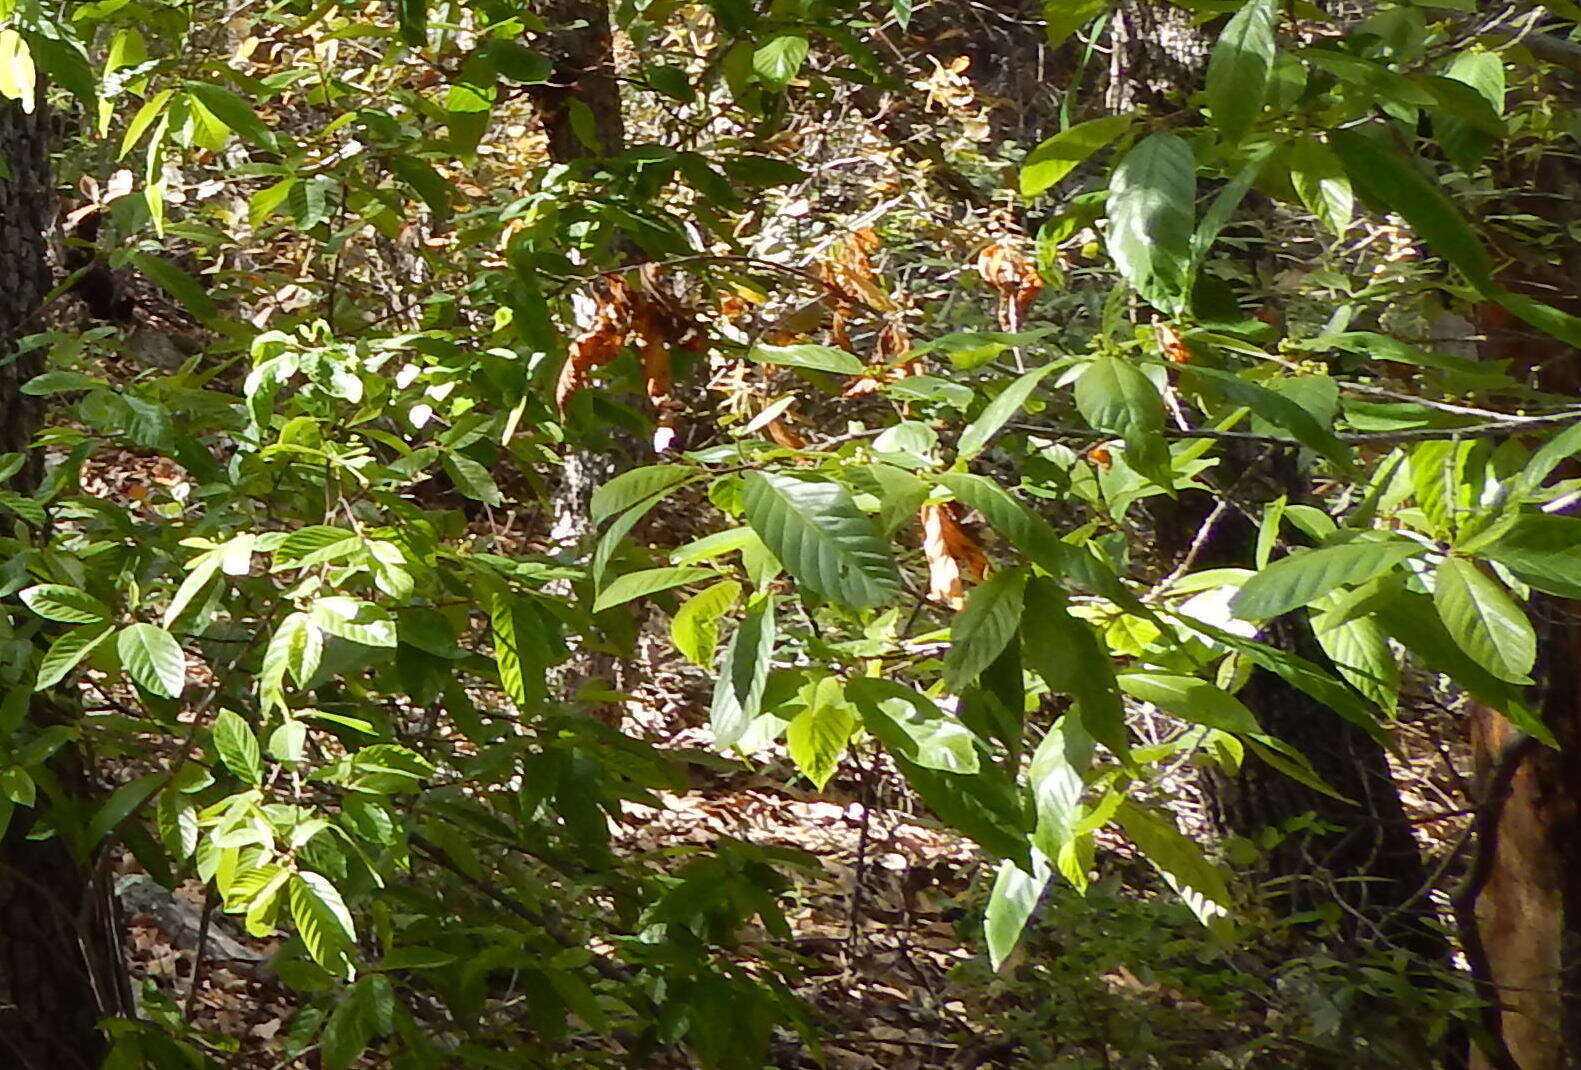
[(582, 48), (1525, 885), (54, 950)]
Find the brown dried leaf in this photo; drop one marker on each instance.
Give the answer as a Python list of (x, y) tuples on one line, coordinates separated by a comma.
[(599, 344), (1014, 278), (952, 553)]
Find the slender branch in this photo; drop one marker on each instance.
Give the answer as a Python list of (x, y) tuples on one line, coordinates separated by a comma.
[(200, 956), (1502, 428)]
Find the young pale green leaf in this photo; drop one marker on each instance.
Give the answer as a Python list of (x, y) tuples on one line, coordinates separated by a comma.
[(204, 568), (646, 582), (1151, 200), (778, 60), (1484, 620), (354, 620), (1543, 551), (323, 921), (153, 658), (743, 672), (812, 357), (1060, 154), (1306, 575), (695, 626), (69, 605), (817, 737), (1238, 69), (815, 529), (983, 629), (1010, 905), (237, 746), (177, 819), (998, 412), (67, 651), (637, 485)]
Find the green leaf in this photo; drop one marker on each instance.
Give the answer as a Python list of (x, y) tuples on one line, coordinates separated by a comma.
[(386, 768), (637, 485), (998, 412), (983, 629), (986, 807), (743, 672), (1484, 621), (777, 61), (1387, 177), (70, 605), (695, 627), (1322, 184), (517, 63), (66, 652), (237, 746), (234, 112), (1150, 218), (1057, 777), (354, 620), (1014, 897), (812, 357), (472, 479), (648, 581), (120, 805), (1035, 538), (323, 921), (177, 284), (1068, 654), (1411, 619), (413, 19), (1543, 551), (1060, 154), (153, 658), (817, 737), (1064, 17), (1238, 69), (1114, 395), (815, 529), (1360, 651), (1277, 409), (1191, 700), (1181, 862), (1306, 575), (911, 725)]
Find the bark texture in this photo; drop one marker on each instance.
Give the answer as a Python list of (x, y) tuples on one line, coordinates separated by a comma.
[(1528, 904), (53, 951)]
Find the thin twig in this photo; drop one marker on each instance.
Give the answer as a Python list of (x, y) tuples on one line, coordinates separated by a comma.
[(200, 957)]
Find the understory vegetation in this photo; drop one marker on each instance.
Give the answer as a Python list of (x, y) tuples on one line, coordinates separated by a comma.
[(789, 533)]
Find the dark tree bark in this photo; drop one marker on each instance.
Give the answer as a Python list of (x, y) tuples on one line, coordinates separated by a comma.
[(56, 973)]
